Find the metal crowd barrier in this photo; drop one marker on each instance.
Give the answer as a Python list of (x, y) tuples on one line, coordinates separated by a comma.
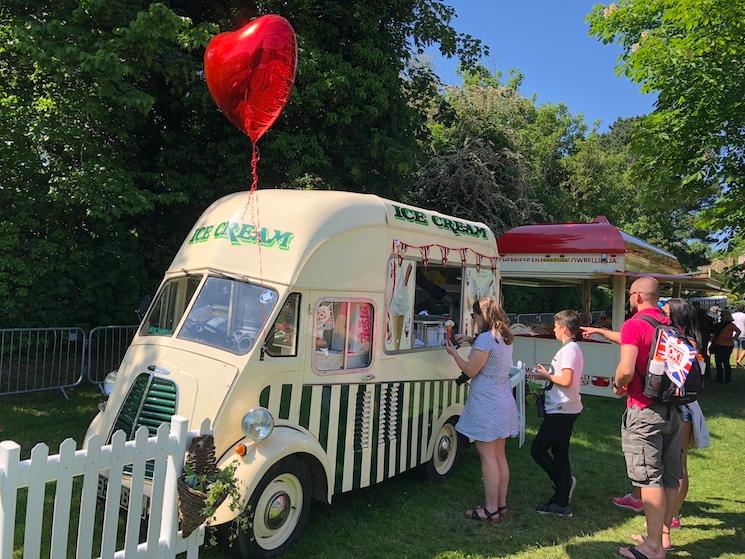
[(529, 318), (106, 348), (35, 359), (546, 318)]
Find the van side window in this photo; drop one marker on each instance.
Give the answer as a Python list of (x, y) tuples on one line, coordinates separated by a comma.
[(169, 306), (282, 338), (343, 335)]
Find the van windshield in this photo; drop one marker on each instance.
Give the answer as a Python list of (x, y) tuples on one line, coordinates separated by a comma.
[(228, 314)]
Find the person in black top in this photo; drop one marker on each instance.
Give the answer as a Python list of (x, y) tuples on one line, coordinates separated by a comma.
[(706, 326)]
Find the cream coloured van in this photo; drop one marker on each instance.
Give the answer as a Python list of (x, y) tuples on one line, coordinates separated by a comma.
[(308, 327)]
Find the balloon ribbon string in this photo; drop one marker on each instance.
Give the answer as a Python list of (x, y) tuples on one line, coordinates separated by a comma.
[(255, 168), (254, 203)]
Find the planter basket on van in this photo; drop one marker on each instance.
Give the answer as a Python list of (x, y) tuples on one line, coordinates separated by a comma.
[(200, 459)]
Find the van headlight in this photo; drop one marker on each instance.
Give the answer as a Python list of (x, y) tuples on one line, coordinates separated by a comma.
[(257, 424), (108, 383)]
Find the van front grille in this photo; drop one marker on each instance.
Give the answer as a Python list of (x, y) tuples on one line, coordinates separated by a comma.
[(150, 403)]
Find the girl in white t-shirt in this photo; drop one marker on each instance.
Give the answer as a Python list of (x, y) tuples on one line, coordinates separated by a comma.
[(563, 406)]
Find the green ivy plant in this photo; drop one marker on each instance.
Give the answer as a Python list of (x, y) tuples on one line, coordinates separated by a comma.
[(219, 487)]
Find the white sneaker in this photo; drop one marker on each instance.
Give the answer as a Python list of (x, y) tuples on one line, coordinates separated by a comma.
[(572, 488)]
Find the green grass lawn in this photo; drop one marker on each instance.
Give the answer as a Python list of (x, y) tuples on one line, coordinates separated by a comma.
[(409, 517)]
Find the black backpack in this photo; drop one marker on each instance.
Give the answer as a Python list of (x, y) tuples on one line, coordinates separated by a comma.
[(674, 369)]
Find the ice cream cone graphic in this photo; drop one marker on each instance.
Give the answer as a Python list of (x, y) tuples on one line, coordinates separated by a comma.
[(397, 325)]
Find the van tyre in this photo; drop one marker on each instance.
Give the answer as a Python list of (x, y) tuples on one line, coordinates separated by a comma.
[(278, 510), (448, 445)]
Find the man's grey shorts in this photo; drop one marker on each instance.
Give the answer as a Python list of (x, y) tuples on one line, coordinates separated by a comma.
[(651, 439), (739, 343)]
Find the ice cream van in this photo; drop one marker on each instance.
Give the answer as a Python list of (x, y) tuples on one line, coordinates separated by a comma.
[(308, 327)]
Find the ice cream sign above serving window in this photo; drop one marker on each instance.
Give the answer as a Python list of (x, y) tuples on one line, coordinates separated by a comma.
[(238, 234), (426, 219)]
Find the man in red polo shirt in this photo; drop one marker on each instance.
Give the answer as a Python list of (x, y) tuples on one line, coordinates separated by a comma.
[(650, 431)]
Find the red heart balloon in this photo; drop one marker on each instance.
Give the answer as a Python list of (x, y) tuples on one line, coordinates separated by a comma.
[(250, 72)]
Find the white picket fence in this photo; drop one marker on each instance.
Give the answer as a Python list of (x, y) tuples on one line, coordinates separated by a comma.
[(164, 540)]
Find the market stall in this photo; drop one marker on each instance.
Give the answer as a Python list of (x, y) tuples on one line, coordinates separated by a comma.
[(583, 255)]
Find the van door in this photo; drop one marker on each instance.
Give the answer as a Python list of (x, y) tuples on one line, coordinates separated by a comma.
[(362, 414)]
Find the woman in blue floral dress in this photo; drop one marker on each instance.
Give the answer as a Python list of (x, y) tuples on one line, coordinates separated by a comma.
[(490, 413)]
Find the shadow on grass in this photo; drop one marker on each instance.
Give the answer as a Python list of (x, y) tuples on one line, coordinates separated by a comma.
[(702, 518), (409, 517)]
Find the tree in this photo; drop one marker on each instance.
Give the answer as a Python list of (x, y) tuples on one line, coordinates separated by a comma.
[(495, 155), (692, 53), (480, 182), (110, 147), (602, 178)]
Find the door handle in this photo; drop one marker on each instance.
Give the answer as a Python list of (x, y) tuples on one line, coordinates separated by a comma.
[(368, 377)]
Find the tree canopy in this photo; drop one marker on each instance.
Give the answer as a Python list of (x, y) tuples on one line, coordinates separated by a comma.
[(111, 147), (692, 54)]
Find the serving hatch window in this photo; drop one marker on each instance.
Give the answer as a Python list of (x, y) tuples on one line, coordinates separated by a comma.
[(168, 308), (343, 335), (425, 304), (228, 314)]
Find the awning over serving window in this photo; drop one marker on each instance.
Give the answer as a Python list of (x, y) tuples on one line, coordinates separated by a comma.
[(580, 251), (565, 254)]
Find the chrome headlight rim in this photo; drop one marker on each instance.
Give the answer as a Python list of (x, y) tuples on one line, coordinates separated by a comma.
[(257, 416)]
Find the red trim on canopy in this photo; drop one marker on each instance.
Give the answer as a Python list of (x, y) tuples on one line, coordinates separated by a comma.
[(598, 236)]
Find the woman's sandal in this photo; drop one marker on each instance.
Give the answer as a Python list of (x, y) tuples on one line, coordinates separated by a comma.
[(638, 538), (502, 512), (473, 514)]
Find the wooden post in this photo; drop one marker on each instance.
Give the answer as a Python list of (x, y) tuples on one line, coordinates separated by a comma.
[(676, 289), (174, 466), (10, 456), (619, 302), (586, 294)]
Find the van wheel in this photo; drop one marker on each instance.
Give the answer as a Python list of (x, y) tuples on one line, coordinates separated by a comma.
[(447, 449), (279, 509)]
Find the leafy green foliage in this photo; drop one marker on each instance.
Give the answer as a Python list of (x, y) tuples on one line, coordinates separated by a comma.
[(602, 177), (111, 147), (692, 53), (495, 155)]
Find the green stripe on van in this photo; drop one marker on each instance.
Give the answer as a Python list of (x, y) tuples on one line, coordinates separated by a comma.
[(357, 469), (284, 402), (341, 438), (305, 400), (441, 399), (386, 435), (399, 425), (410, 425), (323, 435), (374, 439), (264, 397), (429, 413), (420, 419)]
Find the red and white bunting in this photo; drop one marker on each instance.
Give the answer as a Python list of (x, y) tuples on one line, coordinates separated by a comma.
[(444, 251), (425, 254)]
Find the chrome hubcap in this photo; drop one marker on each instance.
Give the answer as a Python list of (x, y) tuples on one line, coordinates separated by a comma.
[(277, 511), (443, 449)]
